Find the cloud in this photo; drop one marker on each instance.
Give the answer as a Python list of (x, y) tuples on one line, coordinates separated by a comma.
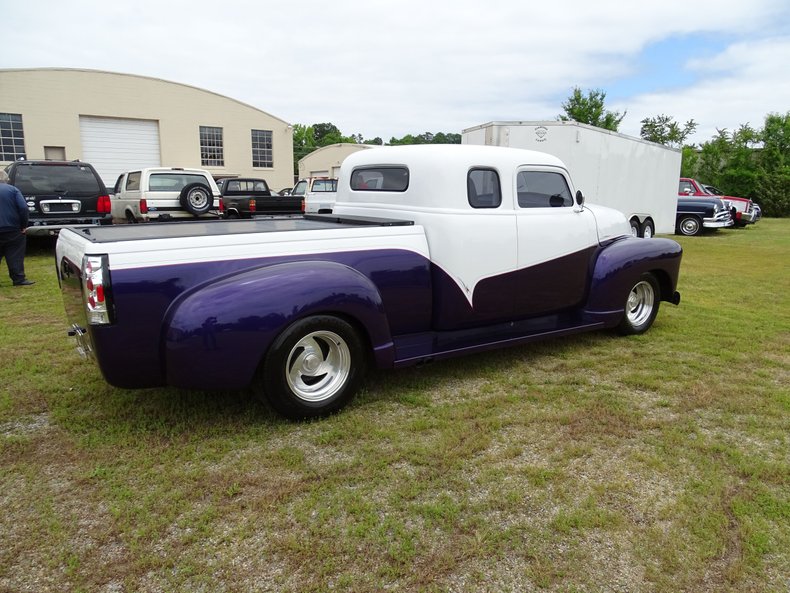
[(408, 66), (739, 85)]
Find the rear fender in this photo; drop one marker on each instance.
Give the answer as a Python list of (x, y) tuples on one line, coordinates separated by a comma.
[(618, 267), (216, 336)]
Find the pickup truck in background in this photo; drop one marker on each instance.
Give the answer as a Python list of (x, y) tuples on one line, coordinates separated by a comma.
[(165, 194), (696, 214), (743, 210), (318, 194), (457, 249), (246, 197)]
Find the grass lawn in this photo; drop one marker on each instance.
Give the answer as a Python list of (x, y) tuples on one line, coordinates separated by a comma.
[(658, 462)]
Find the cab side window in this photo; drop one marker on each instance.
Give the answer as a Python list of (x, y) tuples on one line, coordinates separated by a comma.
[(483, 189), (133, 181), (542, 189)]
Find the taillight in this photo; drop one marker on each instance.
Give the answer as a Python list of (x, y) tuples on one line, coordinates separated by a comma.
[(96, 288), (143, 206), (252, 205), (104, 206), (221, 205), (302, 205)]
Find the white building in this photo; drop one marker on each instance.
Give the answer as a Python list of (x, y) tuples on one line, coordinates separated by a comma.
[(119, 122), (326, 161)]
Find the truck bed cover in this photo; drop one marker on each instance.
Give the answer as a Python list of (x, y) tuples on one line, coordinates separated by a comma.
[(172, 230)]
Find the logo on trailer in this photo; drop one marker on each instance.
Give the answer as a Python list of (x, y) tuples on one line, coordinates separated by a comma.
[(541, 132)]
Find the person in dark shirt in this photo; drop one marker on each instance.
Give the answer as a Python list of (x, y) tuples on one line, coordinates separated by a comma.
[(13, 224)]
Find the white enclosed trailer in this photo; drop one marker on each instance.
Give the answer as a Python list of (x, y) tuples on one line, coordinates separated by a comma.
[(637, 177)]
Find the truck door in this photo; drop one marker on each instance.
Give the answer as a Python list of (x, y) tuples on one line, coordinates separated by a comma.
[(556, 241)]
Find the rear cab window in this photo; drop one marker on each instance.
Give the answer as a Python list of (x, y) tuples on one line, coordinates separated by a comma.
[(380, 179)]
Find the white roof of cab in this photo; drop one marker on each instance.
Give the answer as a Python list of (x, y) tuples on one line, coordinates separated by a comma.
[(451, 156)]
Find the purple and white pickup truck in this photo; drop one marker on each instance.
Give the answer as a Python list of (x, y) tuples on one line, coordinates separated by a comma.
[(431, 252)]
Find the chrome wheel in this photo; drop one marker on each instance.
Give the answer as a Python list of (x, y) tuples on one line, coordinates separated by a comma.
[(689, 226), (641, 301), (318, 366)]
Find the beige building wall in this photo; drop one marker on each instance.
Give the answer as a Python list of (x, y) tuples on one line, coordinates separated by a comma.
[(327, 159), (51, 102)]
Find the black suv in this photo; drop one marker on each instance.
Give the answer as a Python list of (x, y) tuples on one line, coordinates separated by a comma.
[(60, 194)]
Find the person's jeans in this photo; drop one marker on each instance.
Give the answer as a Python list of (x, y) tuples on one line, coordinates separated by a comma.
[(12, 247)]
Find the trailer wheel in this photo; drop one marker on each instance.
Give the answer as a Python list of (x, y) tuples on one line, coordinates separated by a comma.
[(689, 225), (196, 198), (648, 229), (641, 306), (634, 227), (314, 368)]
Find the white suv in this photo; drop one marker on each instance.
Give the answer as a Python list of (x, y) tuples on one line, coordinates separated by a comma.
[(165, 193)]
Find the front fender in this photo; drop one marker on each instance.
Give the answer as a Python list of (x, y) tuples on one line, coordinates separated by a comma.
[(618, 267), (216, 336)]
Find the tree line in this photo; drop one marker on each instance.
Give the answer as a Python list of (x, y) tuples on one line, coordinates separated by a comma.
[(748, 162), (308, 138)]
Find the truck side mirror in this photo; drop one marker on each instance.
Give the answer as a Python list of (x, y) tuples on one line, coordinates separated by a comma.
[(579, 198)]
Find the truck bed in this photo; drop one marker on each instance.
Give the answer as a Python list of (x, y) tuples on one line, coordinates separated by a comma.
[(199, 228)]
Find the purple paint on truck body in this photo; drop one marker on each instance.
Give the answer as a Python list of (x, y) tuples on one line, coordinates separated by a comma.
[(216, 332)]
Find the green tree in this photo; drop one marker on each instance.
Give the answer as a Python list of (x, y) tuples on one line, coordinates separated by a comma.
[(689, 163), (589, 109), (749, 162), (773, 187), (303, 142), (428, 138), (326, 134), (306, 139), (663, 129)]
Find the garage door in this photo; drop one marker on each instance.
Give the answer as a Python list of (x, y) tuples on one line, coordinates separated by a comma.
[(113, 145)]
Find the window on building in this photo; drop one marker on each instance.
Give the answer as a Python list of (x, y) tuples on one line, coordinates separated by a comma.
[(12, 137), (55, 153), (262, 148), (542, 189), (211, 151), (483, 189)]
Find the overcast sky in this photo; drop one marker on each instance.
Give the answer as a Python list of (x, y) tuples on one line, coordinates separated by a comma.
[(410, 66)]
